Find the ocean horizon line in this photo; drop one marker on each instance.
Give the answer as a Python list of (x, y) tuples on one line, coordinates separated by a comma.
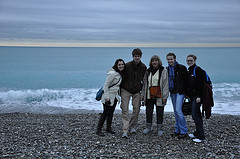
[(120, 45)]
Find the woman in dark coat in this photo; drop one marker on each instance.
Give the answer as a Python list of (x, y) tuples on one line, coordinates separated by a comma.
[(195, 92)]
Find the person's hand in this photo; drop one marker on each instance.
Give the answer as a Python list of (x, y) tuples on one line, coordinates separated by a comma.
[(198, 100), (164, 101)]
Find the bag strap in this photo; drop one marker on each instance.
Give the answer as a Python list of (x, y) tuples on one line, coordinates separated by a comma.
[(114, 84)]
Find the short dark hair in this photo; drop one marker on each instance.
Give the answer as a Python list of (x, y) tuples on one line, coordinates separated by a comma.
[(193, 56), (137, 51), (171, 54), (116, 64)]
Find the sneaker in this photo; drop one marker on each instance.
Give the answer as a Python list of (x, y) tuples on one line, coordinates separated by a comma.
[(160, 132), (145, 131), (198, 140), (124, 135), (133, 131), (191, 136)]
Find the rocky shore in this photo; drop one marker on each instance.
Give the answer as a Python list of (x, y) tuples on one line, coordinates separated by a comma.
[(25, 135)]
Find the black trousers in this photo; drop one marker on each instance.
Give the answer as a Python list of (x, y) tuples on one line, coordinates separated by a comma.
[(149, 111), (107, 115)]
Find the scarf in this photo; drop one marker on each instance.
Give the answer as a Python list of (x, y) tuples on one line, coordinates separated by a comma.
[(171, 76)]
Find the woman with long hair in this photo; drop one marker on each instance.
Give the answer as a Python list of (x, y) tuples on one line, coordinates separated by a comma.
[(110, 96)]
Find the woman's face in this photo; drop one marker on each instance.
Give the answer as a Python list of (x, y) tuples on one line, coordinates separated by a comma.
[(190, 61), (170, 60), (120, 65), (155, 63)]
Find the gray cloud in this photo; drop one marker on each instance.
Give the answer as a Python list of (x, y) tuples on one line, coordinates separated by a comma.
[(121, 21)]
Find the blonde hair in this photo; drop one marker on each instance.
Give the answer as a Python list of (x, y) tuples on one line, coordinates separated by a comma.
[(155, 57)]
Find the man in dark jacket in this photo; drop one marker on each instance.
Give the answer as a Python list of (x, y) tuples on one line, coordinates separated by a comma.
[(130, 87), (178, 81)]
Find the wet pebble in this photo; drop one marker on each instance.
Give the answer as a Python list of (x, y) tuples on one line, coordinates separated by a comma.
[(25, 135)]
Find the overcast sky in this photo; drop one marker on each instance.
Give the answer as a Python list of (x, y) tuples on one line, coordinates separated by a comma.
[(121, 21)]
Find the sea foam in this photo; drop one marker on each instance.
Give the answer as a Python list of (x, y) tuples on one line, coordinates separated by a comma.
[(226, 98)]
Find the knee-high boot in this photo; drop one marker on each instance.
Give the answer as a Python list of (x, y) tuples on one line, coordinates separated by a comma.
[(100, 125), (109, 124)]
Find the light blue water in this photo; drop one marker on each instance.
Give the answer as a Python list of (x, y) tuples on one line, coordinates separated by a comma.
[(70, 77)]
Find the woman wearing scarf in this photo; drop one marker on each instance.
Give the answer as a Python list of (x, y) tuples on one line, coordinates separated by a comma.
[(178, 80), (155, 76)]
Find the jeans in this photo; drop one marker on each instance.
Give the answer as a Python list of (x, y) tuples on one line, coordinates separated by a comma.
[(197, 117), (149, 111), (177, 101)]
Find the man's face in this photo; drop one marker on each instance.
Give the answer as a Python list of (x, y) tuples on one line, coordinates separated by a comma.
[(170, 60), (136, 58)]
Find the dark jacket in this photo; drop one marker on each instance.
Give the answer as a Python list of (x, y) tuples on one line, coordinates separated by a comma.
[(208, 101), (196, 84), (180, 79), (133, 76)]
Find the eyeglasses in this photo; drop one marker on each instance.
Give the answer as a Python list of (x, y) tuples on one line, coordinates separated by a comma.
[(189, 60)]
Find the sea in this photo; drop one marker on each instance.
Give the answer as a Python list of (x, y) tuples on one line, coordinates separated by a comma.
[(66, 79)]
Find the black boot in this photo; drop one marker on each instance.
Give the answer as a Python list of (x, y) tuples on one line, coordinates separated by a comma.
[(109, 125), (100, 125)]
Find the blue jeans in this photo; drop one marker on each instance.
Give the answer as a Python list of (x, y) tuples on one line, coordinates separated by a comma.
[(197, 117), (177, 101)]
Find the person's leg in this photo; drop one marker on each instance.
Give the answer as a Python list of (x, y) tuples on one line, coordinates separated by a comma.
[(136, 101), (197, 117), (149, 115), (102, 120), (181, 119), (110, 117), (159, 113), (149, 110), (125, 97), (174, 98)]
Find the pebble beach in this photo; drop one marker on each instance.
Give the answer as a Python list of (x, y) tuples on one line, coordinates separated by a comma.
[(28, 135)]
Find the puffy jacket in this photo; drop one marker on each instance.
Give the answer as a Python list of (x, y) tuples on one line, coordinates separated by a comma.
[(133, 76), (113, 77)]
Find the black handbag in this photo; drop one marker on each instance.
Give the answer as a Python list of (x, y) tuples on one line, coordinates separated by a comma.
[(187, 106)]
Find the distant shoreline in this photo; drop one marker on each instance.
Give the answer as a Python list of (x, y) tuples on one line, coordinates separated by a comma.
[(115, 45)]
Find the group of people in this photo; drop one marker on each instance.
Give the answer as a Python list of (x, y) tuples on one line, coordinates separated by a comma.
[(135, 81)]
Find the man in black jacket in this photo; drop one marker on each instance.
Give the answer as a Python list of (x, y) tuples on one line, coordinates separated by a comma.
[(178, 81), (130, 87)]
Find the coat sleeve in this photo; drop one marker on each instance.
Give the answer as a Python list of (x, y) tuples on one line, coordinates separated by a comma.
[(200, 74), (144, 91), (165, 89), (108, 82)]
